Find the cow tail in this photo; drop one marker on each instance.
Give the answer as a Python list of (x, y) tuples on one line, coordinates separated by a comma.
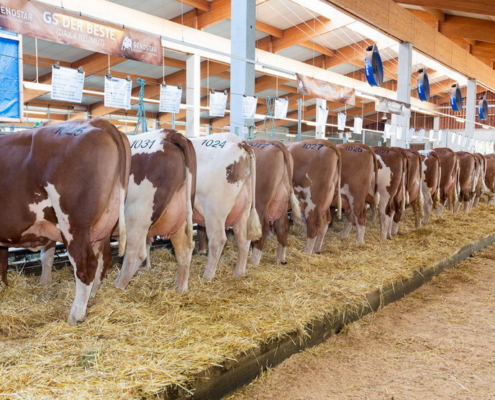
[(339, 181), (436, 196), (376, 194), (125, 168), (254, 225), (187, 148), (293, 201)]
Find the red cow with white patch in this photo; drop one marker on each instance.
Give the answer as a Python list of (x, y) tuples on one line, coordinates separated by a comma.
[(449, 164), (65, 182), (467, 179), (390, 186), (490, 177), (316, 180), (225, 196), (431, 181), (160, 201), (358, 185), (413, 183), (274, 195)]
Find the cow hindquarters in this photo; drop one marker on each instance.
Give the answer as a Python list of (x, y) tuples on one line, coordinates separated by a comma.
[(183, 247)]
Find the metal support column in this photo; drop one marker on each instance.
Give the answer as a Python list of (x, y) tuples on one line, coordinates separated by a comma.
[(193, 94), (243, 39), (470, 108), (403, 91)]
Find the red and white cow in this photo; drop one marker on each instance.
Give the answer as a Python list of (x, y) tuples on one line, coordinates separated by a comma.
[(225, 196), (490, 177), (468, 179), (316, 180), (65, 182), (449, 164), (413, 183), (159, 201), (358, 185), (481, 172), (274, 195), (431, 181), (390, 186)]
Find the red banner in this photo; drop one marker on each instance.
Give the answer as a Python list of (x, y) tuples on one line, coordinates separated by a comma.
[(324, 90), (41, 21)]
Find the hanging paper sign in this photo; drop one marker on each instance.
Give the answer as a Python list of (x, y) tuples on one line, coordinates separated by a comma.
[(358, 125), (439, 135), (386, 131), (67, 84), (465, 141), (249, 104), (35, 19), (385, 105), (399, 132), (483, 109), (430, 138), (454, 137), (117, 93), (456, 97), (321, 115), (341, 119), (459, 139), (423, 85), (373, 67), (170, 97), (421, 134), (324, 90), (218, 103), (410, 134), (281, 106)]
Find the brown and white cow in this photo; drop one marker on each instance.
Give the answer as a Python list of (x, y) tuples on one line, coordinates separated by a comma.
[(490, 177), (449, 164), (316, 180), (468, 176), (413, 183), (431, 181), (159, 201), (358, 185), (274, 195), (481, 172), (225, 196), (65, 182), (390, 186)]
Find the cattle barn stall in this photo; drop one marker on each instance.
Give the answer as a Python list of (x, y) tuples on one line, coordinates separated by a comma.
[(151, 340)]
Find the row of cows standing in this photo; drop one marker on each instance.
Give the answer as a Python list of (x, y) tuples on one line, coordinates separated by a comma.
[(83, 182)]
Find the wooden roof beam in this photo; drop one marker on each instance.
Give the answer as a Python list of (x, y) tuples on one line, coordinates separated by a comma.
[(438, 14), (487, 6), (202, 5)]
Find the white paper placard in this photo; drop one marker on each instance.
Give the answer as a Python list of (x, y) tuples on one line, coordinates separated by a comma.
[(249, 104), (67, 84), (464, 141), (421, 134), (341, 117), (470, 143), (321, 115), (430, 137), (218, 103), (439, 135), (386, 131), (399, 132), (358, 125), (118, 93), (170, 97), (459, 139), (454, 137), (410, 134), (281, 106)]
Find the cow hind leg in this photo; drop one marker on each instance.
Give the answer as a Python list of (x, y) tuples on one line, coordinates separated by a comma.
[(349, 221), (216, 241), (282, 231), (78, 310), (99, 270), (135, 254), (183, 253), (47, 256), (147, 266), (243, 243), (201, 231), (258, 245)]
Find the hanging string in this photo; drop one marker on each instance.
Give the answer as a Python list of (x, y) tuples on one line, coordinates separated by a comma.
[(163, 66), (108, 58), (141, 114), (37, 65)]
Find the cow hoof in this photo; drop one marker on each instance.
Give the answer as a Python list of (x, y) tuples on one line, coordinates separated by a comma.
[(202, 252), (119, 284), (317, 252), (75, 321), (283, 262)]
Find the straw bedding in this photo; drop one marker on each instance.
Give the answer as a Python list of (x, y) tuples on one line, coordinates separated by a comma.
[(137, 342)]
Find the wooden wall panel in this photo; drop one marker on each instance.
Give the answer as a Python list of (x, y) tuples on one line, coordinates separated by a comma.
[(443, 50), (424, 38), (459, 56), (379, 13), (400, 24)]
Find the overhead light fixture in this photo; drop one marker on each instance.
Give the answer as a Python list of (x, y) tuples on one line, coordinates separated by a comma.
[(384, 116), (485, 126), (365, 96), (133, 121), (35, 112), (461, 120)]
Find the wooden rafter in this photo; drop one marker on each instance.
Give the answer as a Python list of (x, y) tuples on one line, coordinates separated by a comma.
[(486, 6), (202, 5)]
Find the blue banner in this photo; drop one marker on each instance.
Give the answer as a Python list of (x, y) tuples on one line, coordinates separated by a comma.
[(10, 95)]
